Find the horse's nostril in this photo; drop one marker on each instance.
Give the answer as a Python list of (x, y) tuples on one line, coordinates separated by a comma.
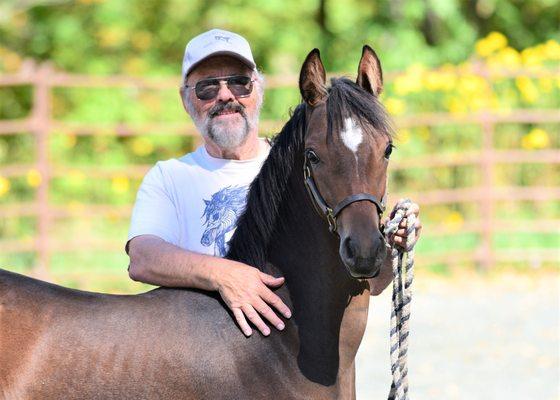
[(349, 248)]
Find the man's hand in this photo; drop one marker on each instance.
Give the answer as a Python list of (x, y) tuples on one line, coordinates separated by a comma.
[(381, 281), (246, 292), (399, 238)]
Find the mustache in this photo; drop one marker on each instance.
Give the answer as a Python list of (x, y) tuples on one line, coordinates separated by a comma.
[(220, 107)]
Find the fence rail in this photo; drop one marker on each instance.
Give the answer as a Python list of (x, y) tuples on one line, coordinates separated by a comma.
[(44, 79)]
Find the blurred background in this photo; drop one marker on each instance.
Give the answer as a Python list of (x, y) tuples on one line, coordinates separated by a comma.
[(89, 101)]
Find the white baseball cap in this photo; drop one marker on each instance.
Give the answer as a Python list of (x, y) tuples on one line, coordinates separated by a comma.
[(216, 42)]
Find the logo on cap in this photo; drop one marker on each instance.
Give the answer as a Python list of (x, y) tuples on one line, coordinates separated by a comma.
[(224, 38)]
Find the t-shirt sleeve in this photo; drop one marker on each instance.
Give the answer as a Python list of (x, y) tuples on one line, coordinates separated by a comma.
[(154, 211)]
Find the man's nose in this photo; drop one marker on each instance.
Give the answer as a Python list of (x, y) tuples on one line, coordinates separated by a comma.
[(224, 94)]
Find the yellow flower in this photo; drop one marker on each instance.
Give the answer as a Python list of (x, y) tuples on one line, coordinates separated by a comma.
[(4, 186), (536, 139), (454, 221), (527, 88), (509, 57), (455, 105), (531, 57), (142, 146), (552, 49), (120, 184), (432, 81), (395, 106), (444, 78), (34, 178), (404, 136), (410, 81), (491, 43), (474, 92)]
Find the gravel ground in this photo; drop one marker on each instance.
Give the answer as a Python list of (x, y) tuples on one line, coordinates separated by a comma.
[(471, 338)]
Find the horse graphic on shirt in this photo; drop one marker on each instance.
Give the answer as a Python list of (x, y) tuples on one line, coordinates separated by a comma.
[(220, 216)]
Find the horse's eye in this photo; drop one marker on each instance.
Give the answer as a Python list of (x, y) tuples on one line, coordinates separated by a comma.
[(389, 150), (312, 156)]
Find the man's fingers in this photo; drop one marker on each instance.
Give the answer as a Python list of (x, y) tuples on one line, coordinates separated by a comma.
[(240, 318), (413, 209), (267, 312), (270, 280), (418, 227), (276, 302), (254, 317)]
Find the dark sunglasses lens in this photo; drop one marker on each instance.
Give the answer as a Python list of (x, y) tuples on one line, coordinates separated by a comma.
[(207, 89), (240, 85)]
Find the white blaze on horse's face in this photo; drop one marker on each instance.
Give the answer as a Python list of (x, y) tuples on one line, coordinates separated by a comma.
[(352, 136)]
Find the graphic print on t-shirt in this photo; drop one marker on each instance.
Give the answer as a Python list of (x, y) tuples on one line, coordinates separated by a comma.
[(220, 216)]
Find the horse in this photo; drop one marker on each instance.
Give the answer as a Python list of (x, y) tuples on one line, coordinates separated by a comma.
[(221, 213), (171, 343)]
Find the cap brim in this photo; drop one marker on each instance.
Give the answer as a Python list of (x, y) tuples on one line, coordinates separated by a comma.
[(245, 61)]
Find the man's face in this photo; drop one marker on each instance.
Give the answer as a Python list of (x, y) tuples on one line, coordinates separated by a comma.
[(225, 119)]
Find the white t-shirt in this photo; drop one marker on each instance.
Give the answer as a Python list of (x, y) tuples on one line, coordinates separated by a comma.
[(193, 202)]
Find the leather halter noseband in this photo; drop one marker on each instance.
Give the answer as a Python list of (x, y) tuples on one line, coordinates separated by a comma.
[(323, 208)]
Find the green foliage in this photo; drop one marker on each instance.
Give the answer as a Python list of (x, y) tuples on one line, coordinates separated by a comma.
[(148, 36)]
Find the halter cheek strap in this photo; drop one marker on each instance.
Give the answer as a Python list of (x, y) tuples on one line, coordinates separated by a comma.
[(325, 210)]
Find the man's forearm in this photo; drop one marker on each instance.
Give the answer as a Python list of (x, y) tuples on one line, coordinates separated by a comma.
[(381, 281), (154, 261)]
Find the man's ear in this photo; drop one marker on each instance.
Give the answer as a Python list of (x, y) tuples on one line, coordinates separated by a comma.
[(370, 76), (312, 79)]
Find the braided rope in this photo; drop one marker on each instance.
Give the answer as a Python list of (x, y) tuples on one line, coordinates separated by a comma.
[(402, 295)]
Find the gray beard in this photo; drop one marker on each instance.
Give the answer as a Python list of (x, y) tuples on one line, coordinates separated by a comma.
[(224, 137)]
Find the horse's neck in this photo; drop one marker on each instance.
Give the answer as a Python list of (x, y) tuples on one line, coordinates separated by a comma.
[(330, 308)]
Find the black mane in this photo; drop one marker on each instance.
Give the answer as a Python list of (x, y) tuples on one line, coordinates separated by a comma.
[(267, 192)]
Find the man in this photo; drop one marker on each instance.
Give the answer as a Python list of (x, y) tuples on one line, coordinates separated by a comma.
[(169, 243)]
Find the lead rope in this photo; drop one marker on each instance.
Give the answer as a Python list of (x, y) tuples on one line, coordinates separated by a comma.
[(402, 295)]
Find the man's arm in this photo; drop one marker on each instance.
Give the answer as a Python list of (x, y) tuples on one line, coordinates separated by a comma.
[(381, 281), (243, 288)]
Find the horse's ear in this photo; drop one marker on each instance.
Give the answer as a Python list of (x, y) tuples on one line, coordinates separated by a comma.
[(312, 79), (370, 76)]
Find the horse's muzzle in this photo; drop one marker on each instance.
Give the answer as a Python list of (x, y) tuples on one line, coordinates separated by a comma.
[(363, 258)]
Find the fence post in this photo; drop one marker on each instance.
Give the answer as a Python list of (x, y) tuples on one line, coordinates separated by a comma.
[(486, 251), (41, 122)]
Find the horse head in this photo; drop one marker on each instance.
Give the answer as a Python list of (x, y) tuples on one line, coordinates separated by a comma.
[(347, 147)]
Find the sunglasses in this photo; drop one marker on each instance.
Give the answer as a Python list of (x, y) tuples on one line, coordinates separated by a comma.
[(239, 86)]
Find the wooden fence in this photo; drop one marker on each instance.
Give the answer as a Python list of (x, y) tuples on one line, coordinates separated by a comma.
[(43, 79)]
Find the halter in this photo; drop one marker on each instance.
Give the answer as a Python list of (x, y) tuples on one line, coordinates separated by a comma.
[(323, 208)]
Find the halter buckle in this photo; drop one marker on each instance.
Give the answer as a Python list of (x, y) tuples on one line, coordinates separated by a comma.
[(331, 219)]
